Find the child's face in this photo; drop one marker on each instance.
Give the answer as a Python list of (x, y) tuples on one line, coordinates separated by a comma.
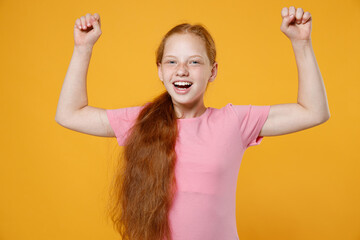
[(180, 64)]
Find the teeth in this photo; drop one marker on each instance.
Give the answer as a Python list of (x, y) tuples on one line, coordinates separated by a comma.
[(182, 83)]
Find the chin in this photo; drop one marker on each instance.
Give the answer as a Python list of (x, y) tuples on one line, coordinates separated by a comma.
[(185, 100)]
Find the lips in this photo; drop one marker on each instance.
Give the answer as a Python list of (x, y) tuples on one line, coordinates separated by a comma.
[(182, 81), (181, 90)]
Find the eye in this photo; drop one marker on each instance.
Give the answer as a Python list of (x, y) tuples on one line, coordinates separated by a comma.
[(170, 61), (195, 61)]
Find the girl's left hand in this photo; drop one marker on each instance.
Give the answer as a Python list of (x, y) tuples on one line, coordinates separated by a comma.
[(296, 24)]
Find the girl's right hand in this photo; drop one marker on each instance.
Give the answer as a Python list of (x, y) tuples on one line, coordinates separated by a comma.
[(89, 32)]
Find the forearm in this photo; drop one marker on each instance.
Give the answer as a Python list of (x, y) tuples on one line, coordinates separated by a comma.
[(311, 93), (73, 94)]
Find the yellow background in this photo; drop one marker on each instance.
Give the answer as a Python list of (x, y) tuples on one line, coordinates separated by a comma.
[(54, 181)]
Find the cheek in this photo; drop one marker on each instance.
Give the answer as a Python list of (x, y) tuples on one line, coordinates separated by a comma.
[(201, 74), (168, 73), (200, 70)]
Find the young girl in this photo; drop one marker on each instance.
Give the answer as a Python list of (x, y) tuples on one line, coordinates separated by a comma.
[(181, 159)]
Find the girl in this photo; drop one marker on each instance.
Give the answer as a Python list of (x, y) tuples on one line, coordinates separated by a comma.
[(180, 158)]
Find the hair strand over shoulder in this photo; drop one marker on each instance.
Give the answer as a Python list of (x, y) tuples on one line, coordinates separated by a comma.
[(144, 188)]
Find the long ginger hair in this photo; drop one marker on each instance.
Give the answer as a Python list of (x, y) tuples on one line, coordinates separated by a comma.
[(144, 187)]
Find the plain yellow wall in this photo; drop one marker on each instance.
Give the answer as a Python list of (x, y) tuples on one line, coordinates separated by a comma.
[(54, 181)]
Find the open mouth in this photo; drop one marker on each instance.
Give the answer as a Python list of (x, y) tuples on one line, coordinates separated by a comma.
[(182, 85)]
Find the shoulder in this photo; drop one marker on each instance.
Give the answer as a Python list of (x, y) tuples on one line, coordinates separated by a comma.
[(250, 110), (244, 114), (238, 110), (225, 113), (126, 112)]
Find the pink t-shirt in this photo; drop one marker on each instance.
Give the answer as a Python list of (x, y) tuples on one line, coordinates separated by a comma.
[(209, 152)]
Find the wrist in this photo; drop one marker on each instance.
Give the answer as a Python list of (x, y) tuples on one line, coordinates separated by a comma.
[(83, 48), (301, 42)]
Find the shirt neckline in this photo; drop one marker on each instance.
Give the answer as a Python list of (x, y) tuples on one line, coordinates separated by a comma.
[(195, 118)]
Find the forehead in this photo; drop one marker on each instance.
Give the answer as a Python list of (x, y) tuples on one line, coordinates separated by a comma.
[(184, 44)]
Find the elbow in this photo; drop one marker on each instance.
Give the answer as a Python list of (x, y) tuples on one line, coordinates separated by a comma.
[(61, 117), (57, 116), (325, 118), (59, 121)]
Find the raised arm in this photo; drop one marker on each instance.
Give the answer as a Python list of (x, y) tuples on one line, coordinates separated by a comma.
[(312, 107), (72, 110)]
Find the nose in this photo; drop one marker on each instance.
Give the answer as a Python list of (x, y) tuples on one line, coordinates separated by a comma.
[(182, 70)]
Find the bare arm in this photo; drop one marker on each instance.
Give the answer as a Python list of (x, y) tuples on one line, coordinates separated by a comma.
[(312, 106), (72, 110)]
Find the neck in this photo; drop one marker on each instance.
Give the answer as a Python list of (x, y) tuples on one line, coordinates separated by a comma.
[(189, 111)]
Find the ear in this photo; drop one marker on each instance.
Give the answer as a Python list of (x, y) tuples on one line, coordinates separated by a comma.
[(160, 71), (213, 72)]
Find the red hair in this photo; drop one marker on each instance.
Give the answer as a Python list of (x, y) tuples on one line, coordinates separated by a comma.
[(144, 189)]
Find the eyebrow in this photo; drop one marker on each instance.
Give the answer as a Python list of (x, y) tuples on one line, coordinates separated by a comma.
[(190, 56)]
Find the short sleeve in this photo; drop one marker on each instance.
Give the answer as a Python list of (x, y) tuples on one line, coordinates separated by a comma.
[(252, 118), (121, 120)]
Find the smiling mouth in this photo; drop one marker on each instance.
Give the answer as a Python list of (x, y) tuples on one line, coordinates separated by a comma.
[(185, 86)]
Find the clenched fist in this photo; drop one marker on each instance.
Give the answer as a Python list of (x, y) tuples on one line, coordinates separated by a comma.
[(87, 30), (296, 24)]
